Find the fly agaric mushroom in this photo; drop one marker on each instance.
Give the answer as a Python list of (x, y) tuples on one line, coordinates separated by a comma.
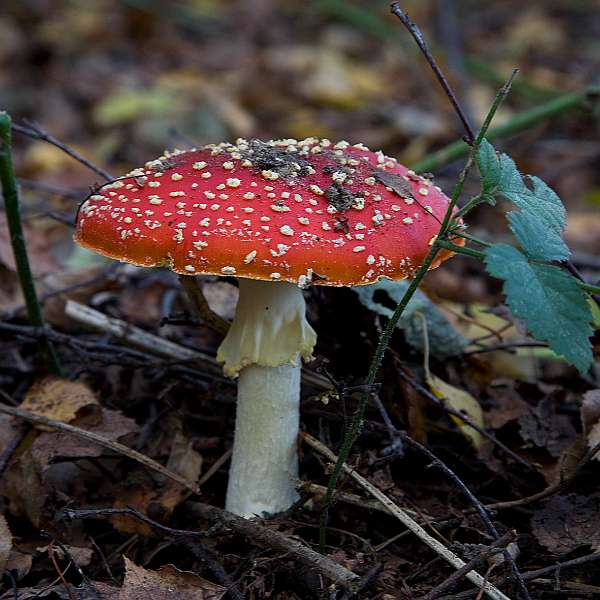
[(278, 215)]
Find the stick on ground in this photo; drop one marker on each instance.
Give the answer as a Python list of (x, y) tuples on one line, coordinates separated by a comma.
[(490, 590), (101, 441)]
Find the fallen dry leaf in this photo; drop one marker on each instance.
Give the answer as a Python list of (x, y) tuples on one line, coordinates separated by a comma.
[(462, 401), (544, 428), (37, 249), (58, 399), (568, 522), (33, 475), (166, 583), (144, 494)]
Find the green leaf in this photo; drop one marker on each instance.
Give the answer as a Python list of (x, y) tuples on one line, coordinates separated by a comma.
[(489, 170), (539, 241), (540, 224), (549, 300), (540, 200), (444, 340)]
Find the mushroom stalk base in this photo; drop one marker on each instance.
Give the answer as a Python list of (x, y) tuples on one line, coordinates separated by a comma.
[(264, 464)]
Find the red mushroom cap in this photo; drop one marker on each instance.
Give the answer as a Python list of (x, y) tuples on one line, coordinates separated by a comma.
[(299, 211)]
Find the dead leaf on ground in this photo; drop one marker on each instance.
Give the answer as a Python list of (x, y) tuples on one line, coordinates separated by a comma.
[(159, 499), (462, 401), (568, 522), (166, 583), (544, 428), (81, 556), (33, 475), (58, 399), (37, 249)]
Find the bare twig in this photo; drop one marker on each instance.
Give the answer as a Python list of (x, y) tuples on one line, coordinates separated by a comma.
[(478, 506), (262, 536), (532, 575), (464, 417), (414, 30), (200, 306), (496, 546), (407, 520), (157, 345), (101, 441), (551, 489), (94, 513), (384, 341), (34, 131)]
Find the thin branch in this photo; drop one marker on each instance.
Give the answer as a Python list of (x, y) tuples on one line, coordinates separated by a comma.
[(17, 237), (200, 306), (407, 520), (520, 122), (478, 506), (414, 30), (34, 131), (157, 345), (90, 436), (551, 489), (270, 538), (386, 336), (498, 545), (464, 417)]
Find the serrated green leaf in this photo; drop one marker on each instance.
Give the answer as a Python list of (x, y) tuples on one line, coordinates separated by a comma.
[(549, 300), (540, 224), (489, 169), (539, 200), (538, 241), (444, 340)]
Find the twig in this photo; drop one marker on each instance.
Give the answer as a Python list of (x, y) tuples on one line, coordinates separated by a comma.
[(94, 513), (365, 581), (262, 536), (14, 443), (386, 336), (34, 131), (496, 546), (215, 467), (478, 506), (532, 575), (352, 499), (17, 238), (201, 552), (414, 30), (198, 302), (464, 417), (157, 345), (551, 489), (519, 122), (101, 441), (407, 520)]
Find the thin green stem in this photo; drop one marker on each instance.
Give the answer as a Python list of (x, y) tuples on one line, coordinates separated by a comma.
[(384, 341), (520, 122), (471, 238), (588, 287), (469, 206), (13, 216), (459, 249)]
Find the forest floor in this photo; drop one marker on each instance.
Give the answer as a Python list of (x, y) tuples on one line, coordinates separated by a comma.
[(120, 81)]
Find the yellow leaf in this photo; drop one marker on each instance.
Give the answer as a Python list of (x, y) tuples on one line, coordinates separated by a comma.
[(58, 399), (462, 401)]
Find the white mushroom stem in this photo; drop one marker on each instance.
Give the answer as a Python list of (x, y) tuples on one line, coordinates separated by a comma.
[(264, 344)]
